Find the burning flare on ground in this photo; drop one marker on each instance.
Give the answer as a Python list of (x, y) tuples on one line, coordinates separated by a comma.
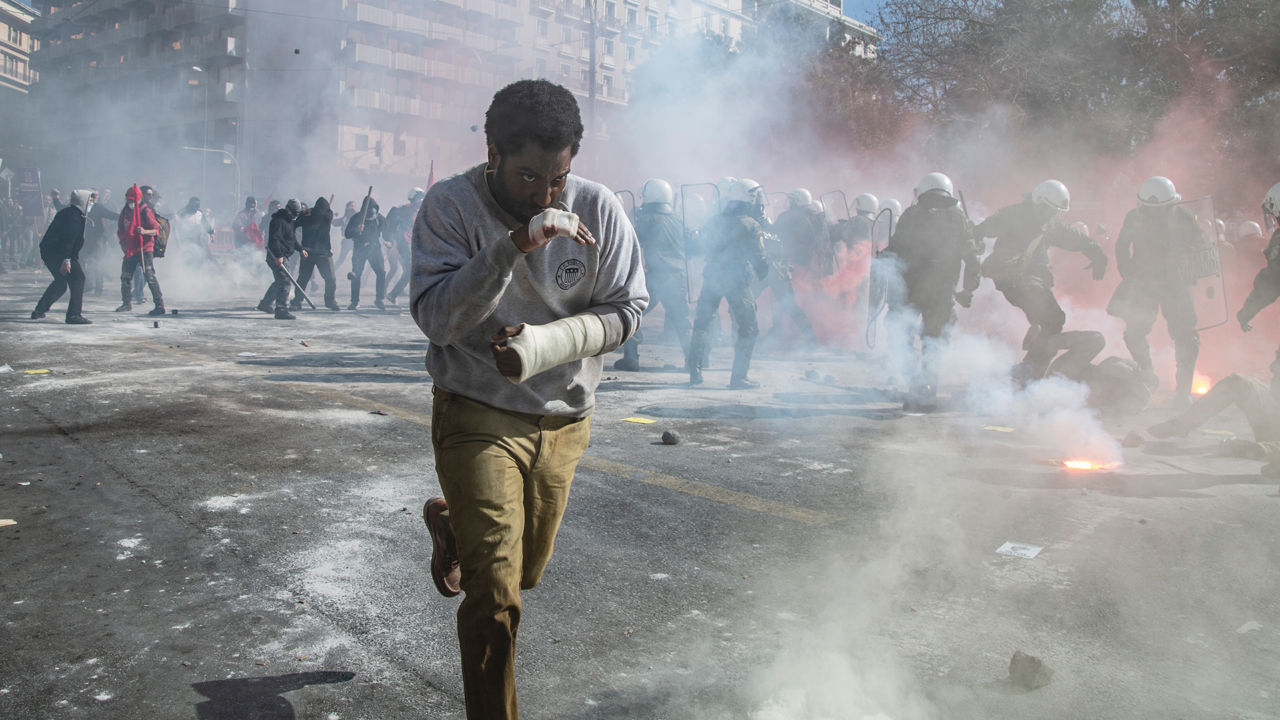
[(1201, 384), (1088, 465)]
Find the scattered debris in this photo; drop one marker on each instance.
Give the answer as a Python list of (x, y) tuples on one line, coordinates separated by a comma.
[(640, 420), (173, 312), (5, 368), (303, 343), (1132, 440), (377, 412), (997, 428), (810, 374), (1022, 550), (36, 372), (25, 483), (670, 437), (155, 323), (247, 354), (1028, 672), (6, 522), (186, 664)]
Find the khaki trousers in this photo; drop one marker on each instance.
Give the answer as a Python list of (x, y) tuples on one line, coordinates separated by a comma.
[(506, 478)]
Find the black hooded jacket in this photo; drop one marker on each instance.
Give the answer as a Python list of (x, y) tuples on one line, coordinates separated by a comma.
[(372, 230), (65, 236), (316, 225), (282, 239)]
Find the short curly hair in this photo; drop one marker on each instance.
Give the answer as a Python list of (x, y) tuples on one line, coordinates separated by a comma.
[(537, 111)]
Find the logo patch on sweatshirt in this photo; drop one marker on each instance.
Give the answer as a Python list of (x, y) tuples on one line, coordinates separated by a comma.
[(570, 272)]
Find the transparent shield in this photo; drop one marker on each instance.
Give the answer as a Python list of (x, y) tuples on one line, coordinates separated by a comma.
[(1202, 264), (835, 205)]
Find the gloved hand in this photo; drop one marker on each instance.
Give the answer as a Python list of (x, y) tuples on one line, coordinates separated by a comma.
[(965, 298), (1244, 321)]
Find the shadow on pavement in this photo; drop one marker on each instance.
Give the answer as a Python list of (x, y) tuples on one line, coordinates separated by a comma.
[(764, 412), (258, 698)]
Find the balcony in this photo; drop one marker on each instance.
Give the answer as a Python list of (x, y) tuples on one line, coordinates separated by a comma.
[(371, 100), (370, 55), (542, 7), (405, 62), (410, 24), (366, 13)]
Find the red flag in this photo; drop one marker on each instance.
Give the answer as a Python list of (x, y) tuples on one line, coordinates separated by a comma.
[(431, 176)]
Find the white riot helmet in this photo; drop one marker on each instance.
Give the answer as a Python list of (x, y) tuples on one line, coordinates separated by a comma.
[(894, 206), (656, 191), (1158, 191), (866, 204), (1249, 230), (746, 191), (935, 182), (417, 194), (800, 197), (1271, 202), (1053, 194), (817, 207)]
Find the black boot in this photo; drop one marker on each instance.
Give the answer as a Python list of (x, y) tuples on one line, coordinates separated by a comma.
[(630, 360), (742, 350)]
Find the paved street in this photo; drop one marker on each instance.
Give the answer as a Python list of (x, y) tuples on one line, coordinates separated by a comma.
[(219, 518)]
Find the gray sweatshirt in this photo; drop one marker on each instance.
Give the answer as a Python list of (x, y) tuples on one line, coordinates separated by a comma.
[(469, 280)]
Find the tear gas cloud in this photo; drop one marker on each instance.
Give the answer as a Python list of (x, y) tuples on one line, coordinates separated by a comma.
[(752, 121)]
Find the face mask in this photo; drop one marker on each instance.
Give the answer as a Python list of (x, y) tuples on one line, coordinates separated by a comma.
[(130, 205)]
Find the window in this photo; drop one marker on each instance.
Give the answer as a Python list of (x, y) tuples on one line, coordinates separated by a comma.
[(608, 47), (564, 71), (540, 67), (631, 54), (724, 26), (611, 11), (566, 35), (543, 28), (631, 17), (607, 90), (653, 22), (401, 147), (362, 142)]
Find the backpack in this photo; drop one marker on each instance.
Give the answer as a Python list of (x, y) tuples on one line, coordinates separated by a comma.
[(162, 238)]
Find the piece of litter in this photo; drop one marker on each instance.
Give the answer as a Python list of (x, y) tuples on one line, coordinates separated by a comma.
[(5, 369), (303, 343), (1249, 627), (1021, 550), (1225, 433), (6, 522), (642, 421), (1028, 671), (377, 412), (997, 428), (36, 372), (25, 483), (247, 354)]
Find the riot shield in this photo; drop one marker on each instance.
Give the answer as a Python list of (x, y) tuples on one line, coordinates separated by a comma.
[(1203, 265), (835, 211), (877, 292), (699, 202), (628, 199)]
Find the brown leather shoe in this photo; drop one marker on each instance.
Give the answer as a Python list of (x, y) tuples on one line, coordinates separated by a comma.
[(445, 570)]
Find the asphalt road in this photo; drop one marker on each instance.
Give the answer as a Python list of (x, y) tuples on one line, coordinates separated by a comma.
[(218, 518)]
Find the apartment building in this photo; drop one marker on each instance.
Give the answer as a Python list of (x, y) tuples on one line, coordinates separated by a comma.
[(233, 97), (16, 76)]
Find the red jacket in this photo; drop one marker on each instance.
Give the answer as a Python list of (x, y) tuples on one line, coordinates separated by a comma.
[(130, 234)]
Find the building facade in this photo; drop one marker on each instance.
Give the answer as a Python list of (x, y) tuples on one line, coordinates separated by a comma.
[(16, 76), (231, 97)]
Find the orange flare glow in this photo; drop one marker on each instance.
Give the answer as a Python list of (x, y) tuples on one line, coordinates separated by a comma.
[(1087, 465), (1201, 384)]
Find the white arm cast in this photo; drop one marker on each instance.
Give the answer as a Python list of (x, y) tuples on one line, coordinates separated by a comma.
[(542, 347)]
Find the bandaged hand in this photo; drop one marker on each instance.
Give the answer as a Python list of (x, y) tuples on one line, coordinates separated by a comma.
[(522, 351), (548, 225)]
